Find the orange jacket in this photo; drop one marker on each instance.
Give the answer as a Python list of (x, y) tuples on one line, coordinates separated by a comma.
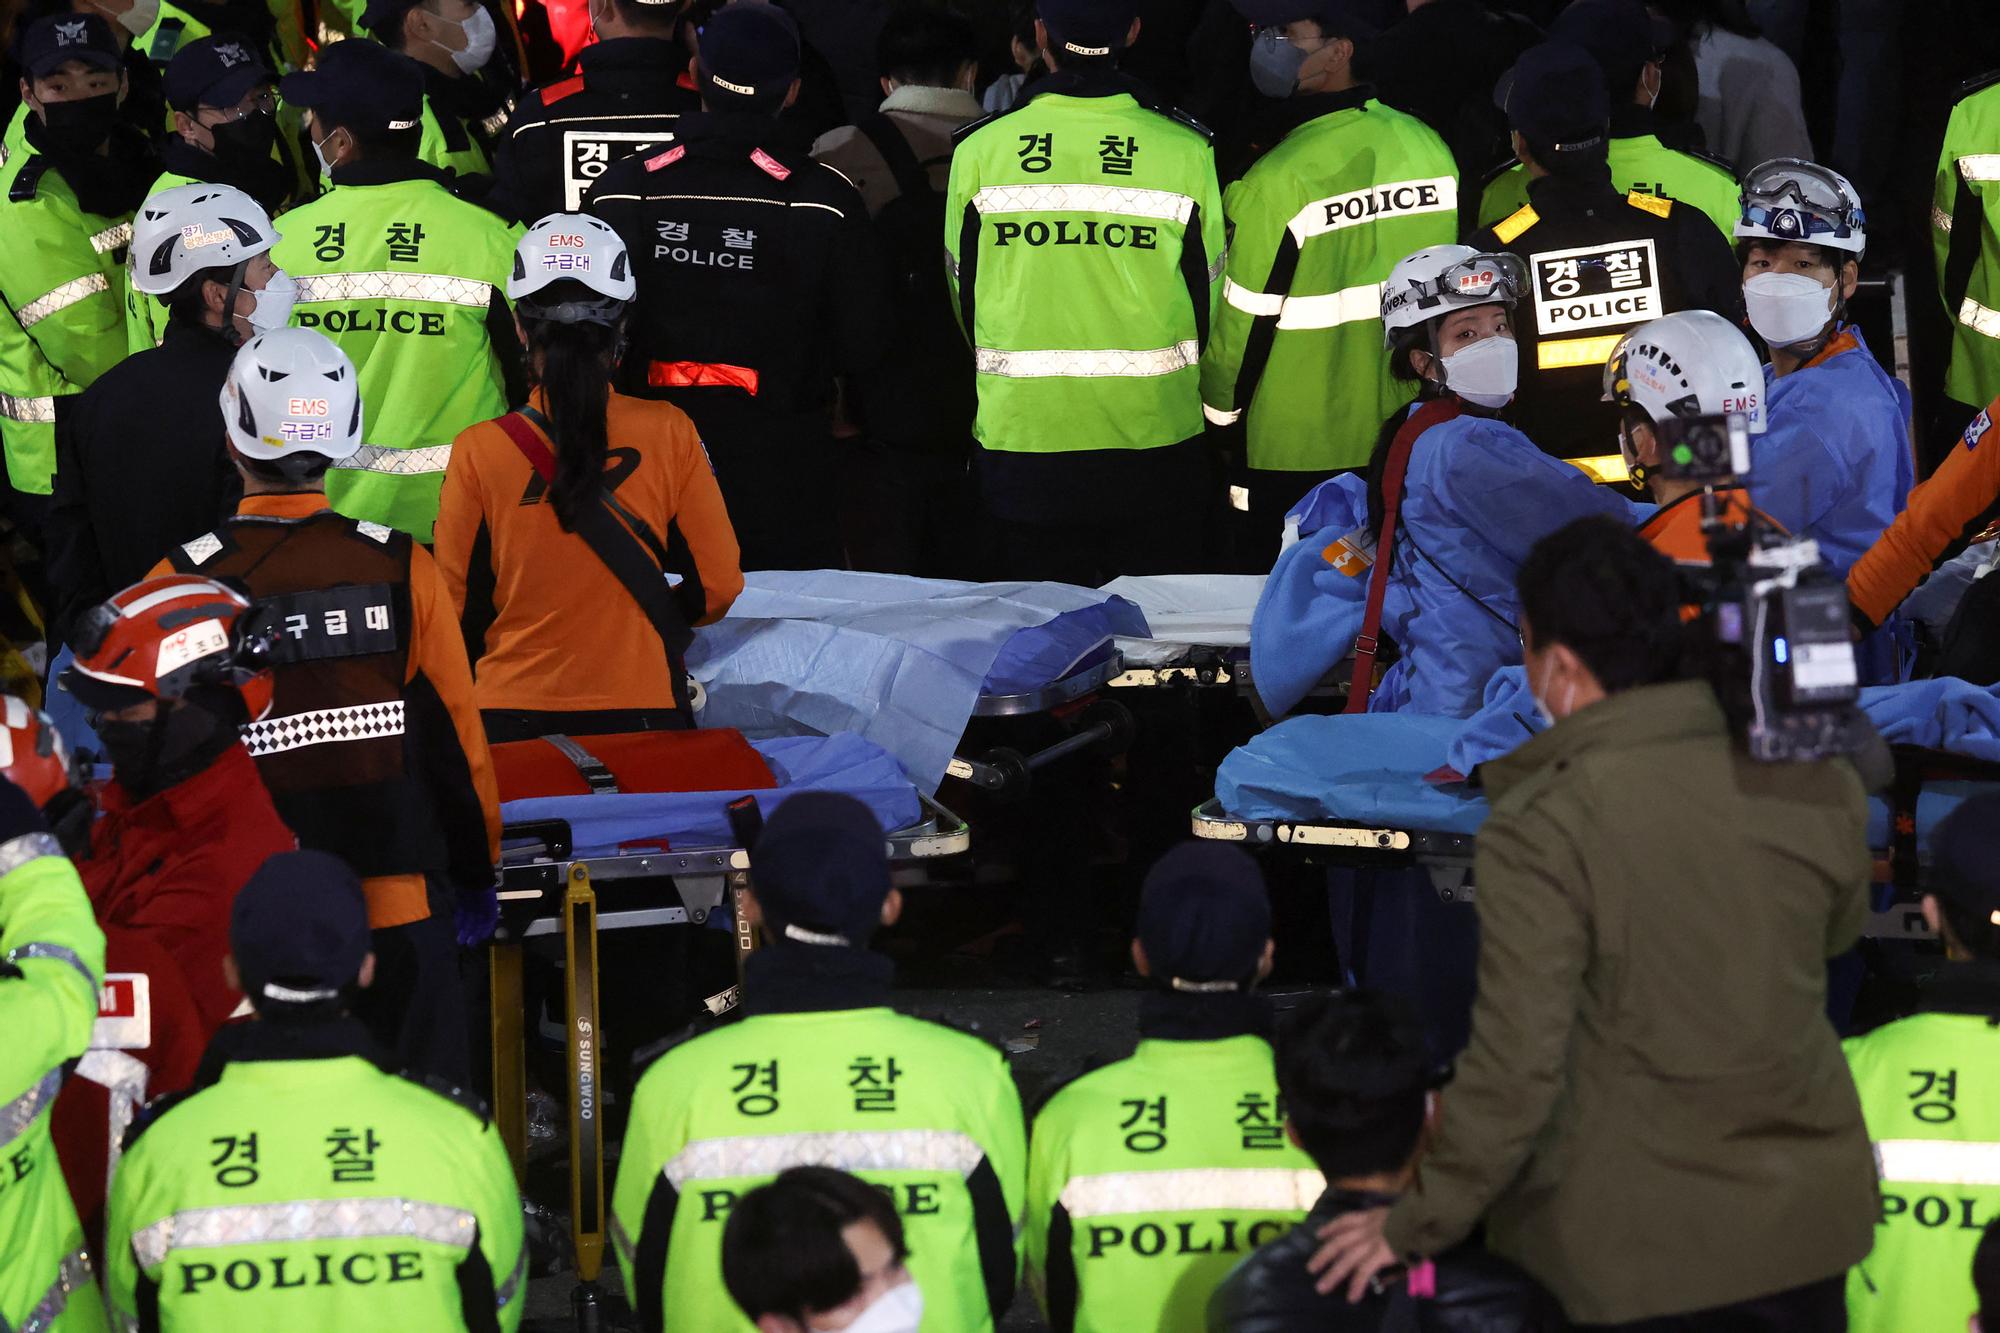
[(1945, 513), (553, 628), (1674, 530)]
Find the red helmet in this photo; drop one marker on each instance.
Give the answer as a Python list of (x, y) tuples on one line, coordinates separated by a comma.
[(32, 754), (160, 638)]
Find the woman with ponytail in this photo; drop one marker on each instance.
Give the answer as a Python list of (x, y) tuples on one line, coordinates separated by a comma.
[(584, 535)]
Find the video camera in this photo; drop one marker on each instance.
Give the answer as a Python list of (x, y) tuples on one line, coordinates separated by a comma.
[(1776, 613)]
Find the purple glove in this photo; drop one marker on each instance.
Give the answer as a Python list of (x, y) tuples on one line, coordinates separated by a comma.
[(476, 914)]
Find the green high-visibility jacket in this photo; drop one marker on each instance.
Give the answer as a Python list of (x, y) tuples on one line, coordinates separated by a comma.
[(927, 1114), (1965, 240), (48, 1001), (1638, 162), (1150, 1178), (1315, 228), (62, 278), (410, 282), (1930, 1091), (436, 146), (316, 1193), (1084, 247), (176, 26)]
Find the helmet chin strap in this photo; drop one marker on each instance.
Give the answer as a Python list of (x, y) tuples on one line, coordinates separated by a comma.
[(229, 303)]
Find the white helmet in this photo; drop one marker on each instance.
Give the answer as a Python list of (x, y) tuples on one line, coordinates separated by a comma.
[(181, 231), (1790, 199), (575, 248), (292, 392), (1444, 278), (1691, 364)]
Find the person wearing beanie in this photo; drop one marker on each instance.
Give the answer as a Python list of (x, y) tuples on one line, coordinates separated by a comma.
[(1930, 1092), (760, 283), (821, 1071), (302, 1184), (1193, 1115)]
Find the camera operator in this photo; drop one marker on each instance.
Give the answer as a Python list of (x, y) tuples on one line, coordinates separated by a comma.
[(1653, 1116)]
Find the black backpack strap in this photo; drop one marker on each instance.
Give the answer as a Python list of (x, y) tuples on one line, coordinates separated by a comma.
[(911, 178)]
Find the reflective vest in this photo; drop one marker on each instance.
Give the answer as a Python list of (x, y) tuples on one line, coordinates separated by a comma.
[(447, 144), (928, 1115), (1930, 1091), (54, 956), (1315, 228), (1965, 240), (402, 276), (62, 278), (316, 1194), (1639, 163), (1084, 246), (1149, 1179)]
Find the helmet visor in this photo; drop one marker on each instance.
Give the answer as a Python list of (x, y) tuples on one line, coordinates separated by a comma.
[(1796, 200)]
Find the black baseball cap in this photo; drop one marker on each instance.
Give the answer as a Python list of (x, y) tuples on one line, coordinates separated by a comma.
[(214, 71), (1204, 916), (821, 870), (1088, 27), (1623, 36), (1965, 858), (51, 41), (360, 84), (299, 930), (383, 16), (1336, 18), (1554, 95), (750, 52)]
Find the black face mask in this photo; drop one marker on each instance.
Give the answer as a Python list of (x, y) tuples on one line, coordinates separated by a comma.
[(79, 128), (245, 143), (149, 757)]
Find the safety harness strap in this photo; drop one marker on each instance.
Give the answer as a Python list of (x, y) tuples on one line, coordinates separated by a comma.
[(1397, 463)]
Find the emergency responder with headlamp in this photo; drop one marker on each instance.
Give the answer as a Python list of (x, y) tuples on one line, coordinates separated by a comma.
[(820, 1069), (303, 1185), (1599, 261)]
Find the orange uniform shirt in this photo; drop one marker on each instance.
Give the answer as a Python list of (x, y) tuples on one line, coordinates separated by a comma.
[(1674, 530), (556, 631), (1945, 513)]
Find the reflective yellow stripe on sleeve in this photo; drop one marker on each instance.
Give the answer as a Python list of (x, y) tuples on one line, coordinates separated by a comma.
[(1652, 203), (1509, 228), (1568, 353), (1603, 468)]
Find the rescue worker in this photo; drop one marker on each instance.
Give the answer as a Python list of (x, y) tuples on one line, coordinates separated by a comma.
[(629, 89), (181, 826), (820, 1071), (1835, 462), (1135, 1215), (53, 966), (1927, 1095), (373, 749), (1473, 493), (302, 1185), (1965, 243), (225, 124), (1629, 46), (1084, 240), (404, 277), (759, 282), (563, 643), (204, 250), (67, 220), (452, 40), (1600, 262), (1295, 359), (1692, 370)]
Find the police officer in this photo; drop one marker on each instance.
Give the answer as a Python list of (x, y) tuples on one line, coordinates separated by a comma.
[(69, 187), (1316, 225), (629, 89), (373, 749), (226, 132), (453, 40), (758, 283), (1965, 242), (1599, 262), (302, 1185), (1084, 240), (54, 964), (406, 278), (273, 33), (1150, 1178), (1928, 1093), (821, 1070), (1629, 46)]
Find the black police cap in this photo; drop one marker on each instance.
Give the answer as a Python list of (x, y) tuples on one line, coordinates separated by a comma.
[(821, 870), (1087, 27), (55, 39), (1554, 95), (1623, 36), (214, 71), (299, 930), (360, 84), (1204, 916), (750, 50), (1965, 857)]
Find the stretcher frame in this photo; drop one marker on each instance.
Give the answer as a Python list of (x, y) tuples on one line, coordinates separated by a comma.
[(1103, 724)]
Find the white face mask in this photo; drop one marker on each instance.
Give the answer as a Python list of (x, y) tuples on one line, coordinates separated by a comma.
[(1787, 308), (480, 39), (1542, 705), (1486, 373), (897, 1310), (273, 303), (325, 162)]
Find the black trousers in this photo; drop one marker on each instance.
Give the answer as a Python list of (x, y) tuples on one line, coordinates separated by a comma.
[(908, 512), (1817, 1307), (1086, 518), (416, 1007), (1257, 530)]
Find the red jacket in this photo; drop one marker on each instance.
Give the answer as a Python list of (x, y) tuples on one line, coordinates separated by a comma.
[(161, 874)]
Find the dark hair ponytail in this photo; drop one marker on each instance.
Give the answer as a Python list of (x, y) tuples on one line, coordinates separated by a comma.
[(572, 363)]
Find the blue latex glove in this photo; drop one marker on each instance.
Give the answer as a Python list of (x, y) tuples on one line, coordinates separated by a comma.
[(476, 914)]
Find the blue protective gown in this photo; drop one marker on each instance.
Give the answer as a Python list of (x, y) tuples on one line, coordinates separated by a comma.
[(1834, 460)]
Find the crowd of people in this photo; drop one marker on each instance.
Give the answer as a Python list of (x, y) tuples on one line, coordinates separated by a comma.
[(368, 405)]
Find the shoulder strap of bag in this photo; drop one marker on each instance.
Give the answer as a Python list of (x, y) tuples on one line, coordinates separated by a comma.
[(1397, 464), (911, 178)]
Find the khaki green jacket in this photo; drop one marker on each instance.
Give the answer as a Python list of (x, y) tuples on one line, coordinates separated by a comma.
[(1654, 1115)]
